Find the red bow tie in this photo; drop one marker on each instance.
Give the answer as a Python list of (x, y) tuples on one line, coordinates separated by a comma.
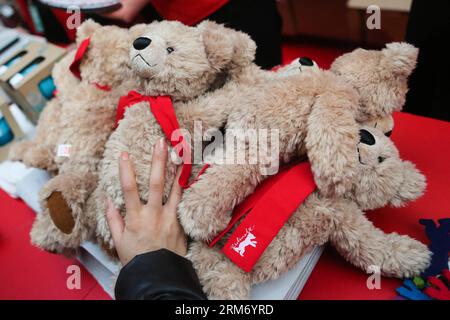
[(162, 108)]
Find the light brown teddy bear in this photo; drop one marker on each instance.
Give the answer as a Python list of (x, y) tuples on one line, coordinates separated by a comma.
[(187, 64), (382, 179), (314, 114), (82, 116)]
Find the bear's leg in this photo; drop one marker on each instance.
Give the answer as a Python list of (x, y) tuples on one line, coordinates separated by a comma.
[(64, 199), (364, 245), (40, 156), (206, 206), (220, 278), (332, 136), (46, 236)]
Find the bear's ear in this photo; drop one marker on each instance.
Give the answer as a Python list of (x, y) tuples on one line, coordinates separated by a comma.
[(399, 58), (412, 186), (226, 46), (86, 29), (244, 49)]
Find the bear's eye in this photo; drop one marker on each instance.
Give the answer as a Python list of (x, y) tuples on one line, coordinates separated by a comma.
[(170, 50), (381, 159)]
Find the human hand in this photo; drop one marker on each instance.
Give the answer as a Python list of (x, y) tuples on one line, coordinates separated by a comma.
[(151, 226), (128, 12)]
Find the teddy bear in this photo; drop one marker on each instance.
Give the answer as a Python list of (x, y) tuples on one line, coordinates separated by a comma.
[(315, 114), (187, 64), (80, 118), (382, 179)]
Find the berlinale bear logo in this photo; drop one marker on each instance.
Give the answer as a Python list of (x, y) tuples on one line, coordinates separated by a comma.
[(243, 242)]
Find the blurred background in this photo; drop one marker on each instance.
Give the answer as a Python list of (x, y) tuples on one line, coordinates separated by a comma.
[(282, 29)]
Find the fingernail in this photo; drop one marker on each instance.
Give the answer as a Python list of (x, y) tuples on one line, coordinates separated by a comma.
[(161, 144), (125, 156)]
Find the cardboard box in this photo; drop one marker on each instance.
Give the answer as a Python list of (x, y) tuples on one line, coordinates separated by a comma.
[(23, 71), (5, 108), (12, 41)]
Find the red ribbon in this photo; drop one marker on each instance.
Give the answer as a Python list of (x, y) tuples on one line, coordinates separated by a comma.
[(162, 109), (75, 65), (81, 51), (103, 87), (266, 210)]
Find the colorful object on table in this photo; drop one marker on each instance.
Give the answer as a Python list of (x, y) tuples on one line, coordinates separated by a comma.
[(6, 134), (283, 194), (409, 291), (419, 282), (440, 245), (439, 286)]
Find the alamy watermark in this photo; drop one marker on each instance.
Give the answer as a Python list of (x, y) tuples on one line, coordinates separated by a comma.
[(374, 19), (74, 19), (374, 280), (236, 146), (73, 281)]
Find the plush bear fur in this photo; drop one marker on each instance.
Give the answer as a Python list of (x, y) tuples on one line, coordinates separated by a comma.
[(82, 116), (317, 114), (382, 179), (205, 59)]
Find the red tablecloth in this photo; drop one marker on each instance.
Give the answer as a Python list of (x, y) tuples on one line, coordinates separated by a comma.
[(28, 273)]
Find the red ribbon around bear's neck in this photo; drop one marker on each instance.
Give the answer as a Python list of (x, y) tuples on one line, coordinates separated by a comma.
[(162, 108), (75, 65)]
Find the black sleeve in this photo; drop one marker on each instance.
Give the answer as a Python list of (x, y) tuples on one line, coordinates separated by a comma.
[(158, 275)]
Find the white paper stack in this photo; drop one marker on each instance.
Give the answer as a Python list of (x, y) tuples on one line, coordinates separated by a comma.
[(105, 270)]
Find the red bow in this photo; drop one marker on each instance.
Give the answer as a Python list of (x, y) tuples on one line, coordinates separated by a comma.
[(162, 109), (81, 51), (266, 210), (75, 65)]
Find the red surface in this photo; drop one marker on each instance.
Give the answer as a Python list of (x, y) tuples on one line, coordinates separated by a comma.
[(426, 143), (29, 273)]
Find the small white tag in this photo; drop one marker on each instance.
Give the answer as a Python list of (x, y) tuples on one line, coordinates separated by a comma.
[(64, 150)]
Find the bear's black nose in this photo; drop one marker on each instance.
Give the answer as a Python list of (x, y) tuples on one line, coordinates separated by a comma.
[(141, 43), (305, 61), (366, 137)]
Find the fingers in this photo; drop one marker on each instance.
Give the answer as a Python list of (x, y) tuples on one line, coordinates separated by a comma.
[(115, 221), (156, 187), (175, 193), (128, 184)]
